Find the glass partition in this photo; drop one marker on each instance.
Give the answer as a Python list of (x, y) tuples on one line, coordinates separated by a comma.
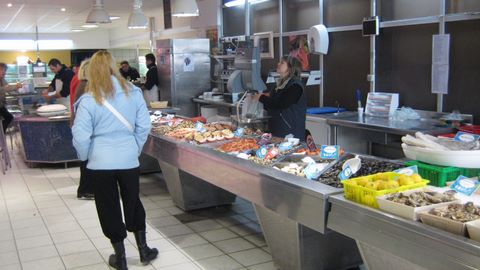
[(300, 14)]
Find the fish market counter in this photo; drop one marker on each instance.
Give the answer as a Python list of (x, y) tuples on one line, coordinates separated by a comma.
[(290, 209), (45, 140), (378, 136), (390, 242)]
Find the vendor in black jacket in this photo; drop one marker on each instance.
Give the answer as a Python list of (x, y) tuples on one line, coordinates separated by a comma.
[(61, 82), (287, 104)]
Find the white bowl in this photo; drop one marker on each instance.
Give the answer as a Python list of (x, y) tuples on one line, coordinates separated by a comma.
[(463, 159)]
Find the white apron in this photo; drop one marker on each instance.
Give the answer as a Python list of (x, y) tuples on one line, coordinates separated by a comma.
[(62, 100), (150, 95)]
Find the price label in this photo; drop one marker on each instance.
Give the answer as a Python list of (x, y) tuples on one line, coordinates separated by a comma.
[(346, 173), (262, 152), (330, 151), (311, 143), (466, 137), (465, 185), (408, 170), (239, 132)]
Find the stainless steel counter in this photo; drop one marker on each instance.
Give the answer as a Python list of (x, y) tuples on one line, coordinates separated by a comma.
[(426, 124), (289, 208), (214, 102), (390, 242), (294, 197)]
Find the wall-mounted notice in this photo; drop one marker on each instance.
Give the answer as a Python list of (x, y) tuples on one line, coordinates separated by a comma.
[(440, 63)]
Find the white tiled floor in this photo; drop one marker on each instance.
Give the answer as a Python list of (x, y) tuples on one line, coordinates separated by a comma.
[(44, 226)]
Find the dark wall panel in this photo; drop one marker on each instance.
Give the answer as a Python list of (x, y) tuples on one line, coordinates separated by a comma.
[(404, 60), (233, 21), (345, 12), (346, 67), (464, 86)]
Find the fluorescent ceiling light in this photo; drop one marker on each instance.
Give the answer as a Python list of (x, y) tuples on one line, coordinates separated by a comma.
[(137, 19), (98, 14), (90, 26), (63, 9), (9, 5), (77, 30), (236, 3), (30, 45), (114, 18), (185, 8)]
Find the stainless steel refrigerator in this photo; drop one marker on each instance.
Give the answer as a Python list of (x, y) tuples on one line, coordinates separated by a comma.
[(183, 71)]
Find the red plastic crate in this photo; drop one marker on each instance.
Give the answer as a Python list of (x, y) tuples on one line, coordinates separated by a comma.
[(475, 129)]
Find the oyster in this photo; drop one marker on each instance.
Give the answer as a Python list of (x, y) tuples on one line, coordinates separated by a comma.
[(458, 212), (422, 198)]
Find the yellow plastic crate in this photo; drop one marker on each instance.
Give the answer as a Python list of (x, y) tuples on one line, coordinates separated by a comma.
[(369, 196)]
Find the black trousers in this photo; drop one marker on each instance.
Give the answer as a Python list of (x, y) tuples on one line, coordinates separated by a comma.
[(86, 184), (107, 200), (7, 118)]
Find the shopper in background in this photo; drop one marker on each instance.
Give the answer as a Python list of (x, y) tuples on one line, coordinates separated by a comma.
[(73, 84), (287, 104), (110, 128), (4, 88), (77, 89), (128, 72), (60, 83), (150, 89)]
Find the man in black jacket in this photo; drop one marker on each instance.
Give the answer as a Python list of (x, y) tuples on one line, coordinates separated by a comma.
[(128, 72), (150, 89), (61, 82)]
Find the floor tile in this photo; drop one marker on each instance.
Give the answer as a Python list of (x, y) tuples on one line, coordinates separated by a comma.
[(162, 245), (202, 251), (100, 266), (64, 237), (264, 266), (6, 235), (75, 247), (246, 229), (204, 225), (163, 221), (175, 230), (7, 258), (256, 239), (219, 263), (188, 240), (27, 223), (218, 235), (169, 258), (36, 241), (29, 232), (232, 220), (16, 266), (33, 254), (251, 256), (67, 226), (89, 223), (7, 246), (183, 266), (82, 259), (174, 210), (54, 263), (101, 242), (234, 245)]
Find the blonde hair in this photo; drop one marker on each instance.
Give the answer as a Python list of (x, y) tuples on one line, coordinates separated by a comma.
[(100, 85), (83, 70)]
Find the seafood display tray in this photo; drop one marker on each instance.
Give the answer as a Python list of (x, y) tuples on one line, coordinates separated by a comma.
[(406, 211)]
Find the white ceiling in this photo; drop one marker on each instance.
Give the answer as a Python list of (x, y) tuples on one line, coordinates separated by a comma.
[(25, 14)]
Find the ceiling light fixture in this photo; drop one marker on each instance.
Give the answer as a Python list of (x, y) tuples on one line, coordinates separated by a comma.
[(90, 26), (63, 9), (9, 5), (113, 18), (137, 19), (185, 8), (98, 14), (77, 30), (236, 3)]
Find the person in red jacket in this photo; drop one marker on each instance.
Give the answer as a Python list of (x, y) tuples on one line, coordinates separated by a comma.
[(73, 84)]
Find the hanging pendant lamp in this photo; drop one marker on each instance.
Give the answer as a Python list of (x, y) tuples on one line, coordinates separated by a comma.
[(98, 14), (185, 8), (137, 19)]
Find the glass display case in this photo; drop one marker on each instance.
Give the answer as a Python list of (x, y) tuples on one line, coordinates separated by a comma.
[(12, 75)]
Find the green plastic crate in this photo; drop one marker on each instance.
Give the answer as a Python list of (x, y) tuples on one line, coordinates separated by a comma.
[(469, 172), (438, 175)]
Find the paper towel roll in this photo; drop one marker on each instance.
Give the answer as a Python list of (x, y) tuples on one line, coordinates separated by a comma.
[(318, 39)]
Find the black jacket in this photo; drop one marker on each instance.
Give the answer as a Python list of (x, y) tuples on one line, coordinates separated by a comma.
[(131, 72), (66, 76), (288, 110), (152, 77)]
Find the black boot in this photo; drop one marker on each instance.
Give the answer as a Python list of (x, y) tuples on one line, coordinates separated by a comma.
[(118, 260), (146, 254)]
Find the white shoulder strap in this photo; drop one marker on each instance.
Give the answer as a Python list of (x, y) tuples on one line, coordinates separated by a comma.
[(118, 115)]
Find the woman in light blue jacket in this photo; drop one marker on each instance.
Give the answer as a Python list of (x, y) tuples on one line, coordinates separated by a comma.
[(111, 126)]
